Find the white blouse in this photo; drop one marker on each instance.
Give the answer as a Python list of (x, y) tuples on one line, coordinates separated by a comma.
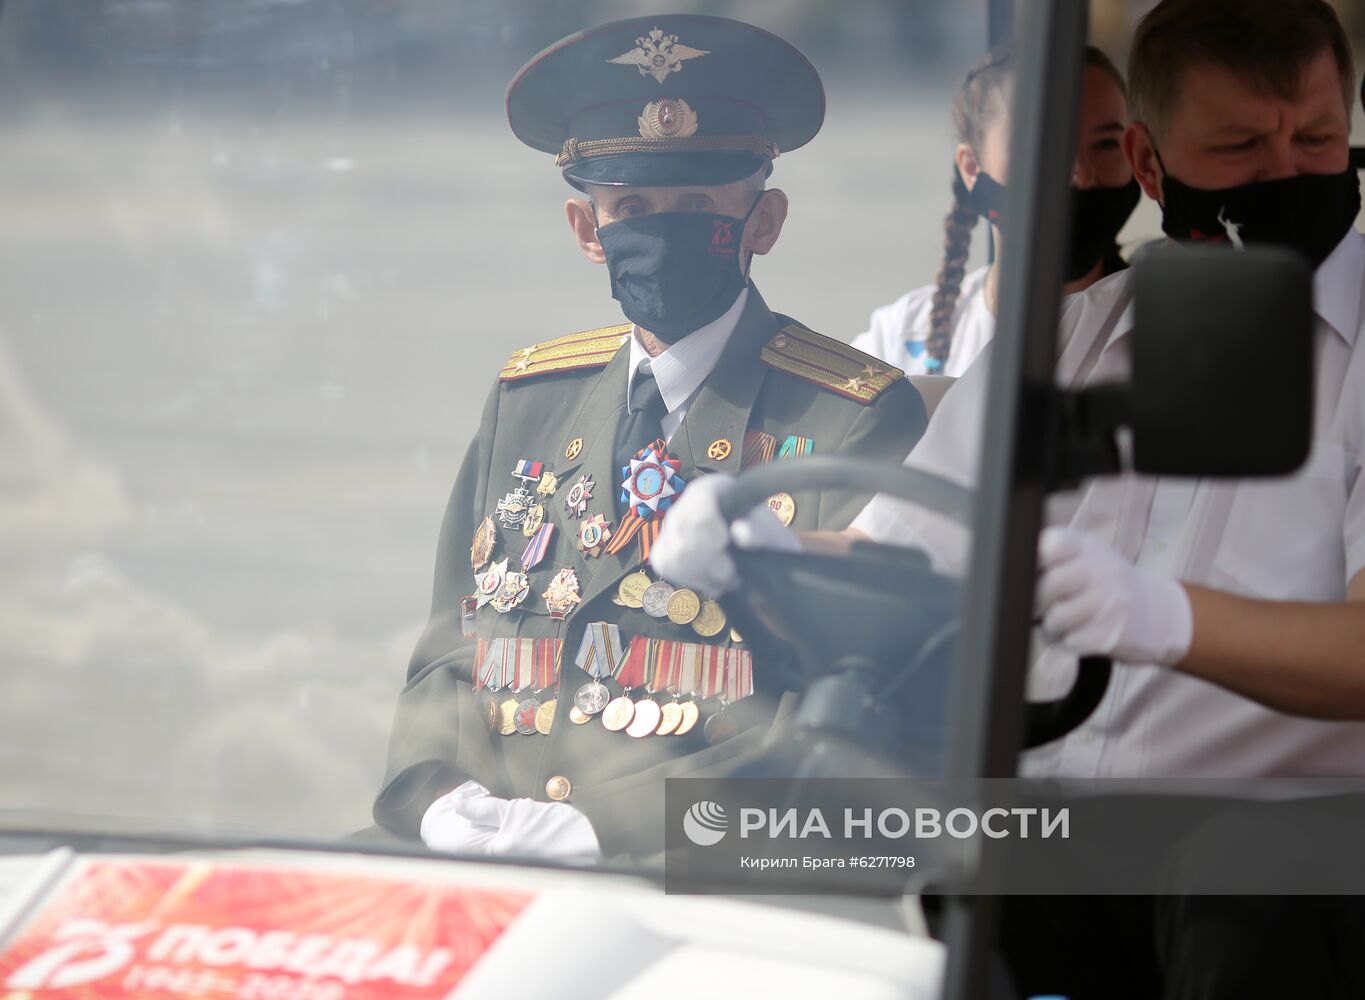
[(899, 332)]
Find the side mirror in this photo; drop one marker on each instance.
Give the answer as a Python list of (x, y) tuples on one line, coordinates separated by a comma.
[(1222, 352), (1222, 371)]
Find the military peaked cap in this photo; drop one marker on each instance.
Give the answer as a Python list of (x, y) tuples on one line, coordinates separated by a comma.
[(667, 100)]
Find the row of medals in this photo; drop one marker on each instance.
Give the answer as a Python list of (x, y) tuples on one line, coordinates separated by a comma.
[(639, 719), (645, 717)]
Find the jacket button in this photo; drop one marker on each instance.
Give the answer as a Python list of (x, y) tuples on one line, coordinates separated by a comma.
[(558, 788)]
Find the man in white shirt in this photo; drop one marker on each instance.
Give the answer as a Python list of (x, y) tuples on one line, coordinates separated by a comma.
[(1236, 609), (1272, 569)]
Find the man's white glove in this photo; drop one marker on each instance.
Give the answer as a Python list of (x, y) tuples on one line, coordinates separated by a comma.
[(692, 547), (469, 820), (1094, 601)]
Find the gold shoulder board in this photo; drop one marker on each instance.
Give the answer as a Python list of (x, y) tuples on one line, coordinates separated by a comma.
[(589, 349), (829, 363)]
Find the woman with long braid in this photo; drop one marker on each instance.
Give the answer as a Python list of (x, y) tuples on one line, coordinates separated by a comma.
[(939, 329)]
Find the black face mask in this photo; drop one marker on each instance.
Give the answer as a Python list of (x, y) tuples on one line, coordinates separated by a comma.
[(674, 272), (1097, 215), (986, 198), (1310, 213)]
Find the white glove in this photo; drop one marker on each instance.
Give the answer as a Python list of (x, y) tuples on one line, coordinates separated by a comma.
[(1094, 601), (469, 820), (691, 550), (464, 821), (547, 830)]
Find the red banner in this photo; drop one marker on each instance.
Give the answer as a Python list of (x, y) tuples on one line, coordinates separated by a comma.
[(147, 929)]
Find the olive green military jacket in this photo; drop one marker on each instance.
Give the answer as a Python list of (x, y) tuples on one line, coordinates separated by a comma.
[(560, 403)]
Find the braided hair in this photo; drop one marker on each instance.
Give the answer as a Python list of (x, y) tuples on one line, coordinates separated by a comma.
[(982, 99)]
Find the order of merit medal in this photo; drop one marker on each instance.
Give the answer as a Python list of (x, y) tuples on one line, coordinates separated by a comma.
[(593, 535), (513, 508), (650, 484), (515, 587), (562, 594), (651, 481), (576, 501), (488, 584)]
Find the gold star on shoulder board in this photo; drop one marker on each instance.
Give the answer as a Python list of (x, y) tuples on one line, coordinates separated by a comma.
[(854, 384)]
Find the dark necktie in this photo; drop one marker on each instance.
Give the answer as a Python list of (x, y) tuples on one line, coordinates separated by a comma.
[(643, 422)]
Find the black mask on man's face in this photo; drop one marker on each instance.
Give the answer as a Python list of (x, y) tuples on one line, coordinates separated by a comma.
[(1097, 215), (1308, 212), (675, 272)]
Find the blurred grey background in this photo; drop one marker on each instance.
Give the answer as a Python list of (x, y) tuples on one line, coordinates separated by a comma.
[(260, 261)]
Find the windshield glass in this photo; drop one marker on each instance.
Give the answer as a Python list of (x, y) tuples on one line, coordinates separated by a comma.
[(269, 268)]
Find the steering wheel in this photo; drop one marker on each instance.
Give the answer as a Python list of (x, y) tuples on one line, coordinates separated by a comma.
[(811, 614)]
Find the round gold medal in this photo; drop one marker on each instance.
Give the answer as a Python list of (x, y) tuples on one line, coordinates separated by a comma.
[(535, 517), (670, 714), (735, 636), (690, 714), (578, 717), (683, 606), (617, 715), (507, 717), (646, 718), (784, 507), (490, 714), (710, 620), (545, 717), (631, 590)]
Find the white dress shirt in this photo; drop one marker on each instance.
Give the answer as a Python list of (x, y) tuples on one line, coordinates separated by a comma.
[(898, 333), (683, 366), (1296, 538)]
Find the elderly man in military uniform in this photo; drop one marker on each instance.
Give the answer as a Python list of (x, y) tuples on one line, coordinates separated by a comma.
[(558, 682)]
